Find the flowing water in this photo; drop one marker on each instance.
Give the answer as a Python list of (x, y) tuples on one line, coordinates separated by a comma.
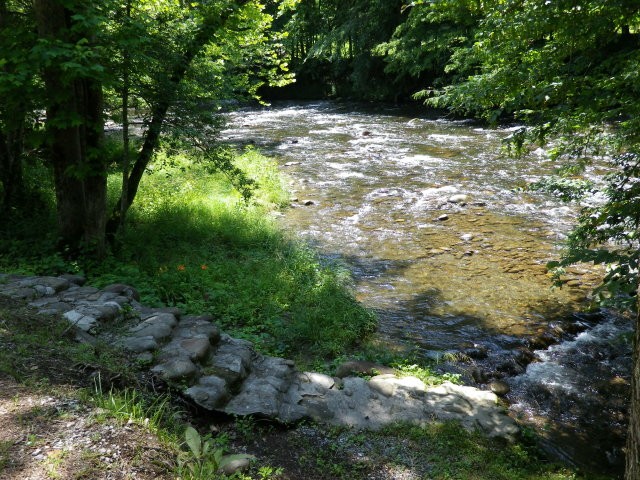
[(450, 251)]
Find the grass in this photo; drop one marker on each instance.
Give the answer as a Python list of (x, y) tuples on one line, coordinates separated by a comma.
[(192, 242), (35, 353)]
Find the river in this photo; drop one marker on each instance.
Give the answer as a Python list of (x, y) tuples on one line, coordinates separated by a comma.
[(450, 250)]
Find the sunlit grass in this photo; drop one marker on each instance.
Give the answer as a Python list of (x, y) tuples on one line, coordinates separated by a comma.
[(192, 242)]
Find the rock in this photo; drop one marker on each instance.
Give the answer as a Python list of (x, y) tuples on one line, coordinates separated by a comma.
[(259, 395), (510, 367), (524, 356), (478, 375), (443, 217), (291, 164), (229, 366), (225, 374), (467, 237), (140, 344), (75, 279), (460, 198), (541, 342), (178, 369), (210, 392), (323, 381), (391, 385), (123, 289), (362, 367), (196, 347), (308, 203), (499, 387), (477, 352), (234, 465), (80, 320), (195, 326), (158, 326), (54, 308)]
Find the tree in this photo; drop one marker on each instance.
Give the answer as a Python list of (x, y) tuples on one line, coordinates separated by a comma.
[(177, 61), (190, 59), (331, 42), (570, 71), (20, 92), (72, 75), (420, 49)]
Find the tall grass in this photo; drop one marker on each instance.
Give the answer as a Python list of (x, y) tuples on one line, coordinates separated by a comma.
[(191, 241)]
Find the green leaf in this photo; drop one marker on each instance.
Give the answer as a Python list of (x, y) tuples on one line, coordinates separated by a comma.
[(194, 441)]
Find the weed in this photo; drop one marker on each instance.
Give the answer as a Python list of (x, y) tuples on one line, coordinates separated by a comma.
[(202, 461), (5, 447), (128, 405), (53, 462)]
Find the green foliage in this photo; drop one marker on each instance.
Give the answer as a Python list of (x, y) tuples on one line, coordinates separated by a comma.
[(226, 257), (425, 373), (130, 406), (570, 73), (331, 42), (202, 460)]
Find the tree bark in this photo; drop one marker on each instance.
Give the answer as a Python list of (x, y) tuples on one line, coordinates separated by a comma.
[(75, 129), (632, 468), (11, 139)]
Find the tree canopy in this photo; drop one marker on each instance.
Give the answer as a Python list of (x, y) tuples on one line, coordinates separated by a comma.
[(175, 62)]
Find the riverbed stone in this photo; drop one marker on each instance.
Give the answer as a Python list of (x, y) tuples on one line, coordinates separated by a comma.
[(499, 387)]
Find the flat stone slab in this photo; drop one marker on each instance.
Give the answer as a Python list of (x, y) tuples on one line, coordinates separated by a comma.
[(225, 374)]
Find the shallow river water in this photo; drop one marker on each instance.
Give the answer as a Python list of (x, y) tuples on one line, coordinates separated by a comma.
[(451, 252)]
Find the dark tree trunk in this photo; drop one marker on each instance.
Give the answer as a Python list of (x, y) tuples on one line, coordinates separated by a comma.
[(11, 140), (632, 470), (74, 146), (11, 169)]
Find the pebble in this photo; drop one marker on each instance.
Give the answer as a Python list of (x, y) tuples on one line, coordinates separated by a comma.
[(443, 217)]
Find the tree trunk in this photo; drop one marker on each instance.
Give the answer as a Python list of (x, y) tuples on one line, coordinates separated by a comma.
[(632, 470), (11, 139), (74, 146), (159, 113)]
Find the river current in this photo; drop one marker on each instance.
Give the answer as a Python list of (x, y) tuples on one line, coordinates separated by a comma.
[(450, 249)]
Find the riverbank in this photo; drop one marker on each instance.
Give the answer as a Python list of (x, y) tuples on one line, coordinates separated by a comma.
[(72, 410), (193, 243)]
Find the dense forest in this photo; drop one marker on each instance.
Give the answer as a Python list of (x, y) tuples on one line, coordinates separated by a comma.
[(567, 72)]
